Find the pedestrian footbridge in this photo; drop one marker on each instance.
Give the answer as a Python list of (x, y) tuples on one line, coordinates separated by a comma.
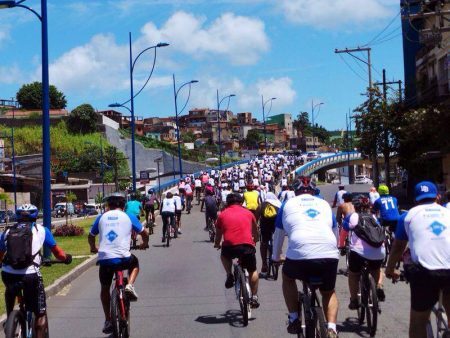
[(337, 160)]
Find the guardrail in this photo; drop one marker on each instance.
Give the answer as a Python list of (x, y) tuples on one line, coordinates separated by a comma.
[(314, 165)]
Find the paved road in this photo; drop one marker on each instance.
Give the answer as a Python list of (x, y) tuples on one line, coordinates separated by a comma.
[(182, 295)]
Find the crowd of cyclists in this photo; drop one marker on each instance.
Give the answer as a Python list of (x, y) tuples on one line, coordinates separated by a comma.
[(263, 202)]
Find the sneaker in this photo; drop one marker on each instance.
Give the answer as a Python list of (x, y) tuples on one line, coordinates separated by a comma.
[(131, 293), (108, 327), (354, 304), (179, 232), (229, 283), (380, 294), (254, 303), (295, 327), (163, 239), (332, 334)]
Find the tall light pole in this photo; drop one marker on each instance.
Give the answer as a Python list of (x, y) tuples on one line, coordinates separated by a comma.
[(102, 165), (313, 107), (46, 155), (131, 100), (218, 123), (263, 103), (175, 95)]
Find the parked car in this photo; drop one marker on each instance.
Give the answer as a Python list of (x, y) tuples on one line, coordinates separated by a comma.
[(7, 216), (91, 209), (362, 179), (312, 155), (60, 209)]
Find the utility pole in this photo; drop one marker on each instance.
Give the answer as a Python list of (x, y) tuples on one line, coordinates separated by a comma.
[(350, 51), (116, 178)]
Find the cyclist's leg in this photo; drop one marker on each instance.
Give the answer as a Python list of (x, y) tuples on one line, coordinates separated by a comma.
[(35, 300), (105, 276), (133, 269), (10, 280), (248, 261), (355, 263), (291, 271), (165, 218)]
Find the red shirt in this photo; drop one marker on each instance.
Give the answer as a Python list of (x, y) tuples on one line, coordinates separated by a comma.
[(236, 225)]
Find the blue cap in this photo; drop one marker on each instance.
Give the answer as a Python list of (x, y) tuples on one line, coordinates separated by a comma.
[(425, 189)]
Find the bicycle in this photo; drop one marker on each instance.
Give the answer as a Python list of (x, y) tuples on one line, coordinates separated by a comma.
[(368, 299), (310, 308), (197, 195), (242, 289), (387, 244), (21, 323), (211, 229), (171, 231), (272, 267)]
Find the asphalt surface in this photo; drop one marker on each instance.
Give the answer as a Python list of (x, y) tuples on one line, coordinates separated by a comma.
[(181, 294)]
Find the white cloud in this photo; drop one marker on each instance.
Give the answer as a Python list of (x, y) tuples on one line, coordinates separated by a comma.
[(11, 75), (240, 39), (331, 14), (4, 34)]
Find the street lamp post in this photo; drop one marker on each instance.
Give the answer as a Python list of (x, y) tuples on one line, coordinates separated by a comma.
[(218, 123), (313, 107), (175, 95), (158, 161), (46, 155), (131, 100), (264, 116)]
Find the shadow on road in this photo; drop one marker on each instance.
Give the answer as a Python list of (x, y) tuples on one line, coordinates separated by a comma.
[(351, 325), (204, 241), (159, 245), (231, 317)]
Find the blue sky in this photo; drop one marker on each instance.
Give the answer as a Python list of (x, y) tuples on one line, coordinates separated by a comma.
[(275, 48)]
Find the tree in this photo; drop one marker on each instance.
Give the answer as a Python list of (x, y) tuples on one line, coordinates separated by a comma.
[(29, 96), (253, 138), (82, 120), (301, 123), (70, 197), (188, 137)]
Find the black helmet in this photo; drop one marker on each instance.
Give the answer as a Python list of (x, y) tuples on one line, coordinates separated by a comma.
[(115, 200)]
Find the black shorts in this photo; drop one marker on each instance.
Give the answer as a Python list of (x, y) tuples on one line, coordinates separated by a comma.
[(106, 272), (32, 287), (425, 286), (267, 227), (246, 254), (324, 269), (150, 208), (178, 215), (356, 263)]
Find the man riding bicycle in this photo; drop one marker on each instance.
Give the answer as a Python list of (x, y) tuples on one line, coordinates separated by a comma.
[(238, 227), (312, 252), (387, 208), (426, 228), (133, 206), (114, 228), (151, 203), (13, 250)]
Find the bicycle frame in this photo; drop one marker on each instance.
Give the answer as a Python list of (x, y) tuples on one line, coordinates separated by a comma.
[(243, 291), (120, 282), (441, 324), (312, 309)]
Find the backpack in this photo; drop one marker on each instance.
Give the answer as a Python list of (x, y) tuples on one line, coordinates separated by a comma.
[(369, 230), (19, 246), (269, 211)]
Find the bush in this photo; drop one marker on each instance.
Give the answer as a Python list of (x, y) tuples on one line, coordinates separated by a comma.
[(68, 230)]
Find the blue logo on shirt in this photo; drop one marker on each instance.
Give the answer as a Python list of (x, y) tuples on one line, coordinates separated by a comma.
[(312, 213), (437, 228), (113, 218), (111, 236)]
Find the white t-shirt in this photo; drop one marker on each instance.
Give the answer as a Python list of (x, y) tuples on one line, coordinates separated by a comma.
[(241, 183), (236, 186), (283, 182), (427, 228), (309, 224), (178, 204), (225, 193), (373, 196), (361, 247), (198, 183), (114, 230), (211, 181), (339, 196), (188, 189), (168, 205), (255, 182)]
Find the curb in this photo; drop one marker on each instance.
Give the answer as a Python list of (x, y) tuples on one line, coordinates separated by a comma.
[(64, 280)]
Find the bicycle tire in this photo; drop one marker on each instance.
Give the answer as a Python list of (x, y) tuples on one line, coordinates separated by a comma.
[(441, 321), (310, 325), (14, 322), (372, 308), (115, 313), (321, 325), (300, 306), (361, 298), (168, 231), (125, 323), (246, 314)]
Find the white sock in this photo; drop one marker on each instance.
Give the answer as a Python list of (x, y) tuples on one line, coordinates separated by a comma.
[(293, 316), (332, 326)]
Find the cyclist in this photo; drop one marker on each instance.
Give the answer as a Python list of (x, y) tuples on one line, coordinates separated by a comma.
[(373, 195), (347, 208), (114, 228), (168, 208), (360, 252), (198, 189), (338, 201), (189, 196), (238, 228), (426, 228), (134, 207), (387, 208), (269, 209), (210, 207), (309, 224), (149, 207), (225, 192), (29, 276), (252, 200), (178, 209)]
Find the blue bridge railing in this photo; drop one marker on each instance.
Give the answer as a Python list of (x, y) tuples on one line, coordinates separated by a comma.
[(317, 164)]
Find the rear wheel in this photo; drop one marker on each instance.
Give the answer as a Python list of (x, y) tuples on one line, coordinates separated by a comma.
[(372, 308), (115, 313), (15, 325), (321, 326), (168, 234), (246, 309), (362, 301)]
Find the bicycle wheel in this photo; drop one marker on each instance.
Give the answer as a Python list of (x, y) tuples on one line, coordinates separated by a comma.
[(245, 293), (168, 232), (372, 308), (125, 322), (321, 325), (362, 301), (15, 325), (115, 313)]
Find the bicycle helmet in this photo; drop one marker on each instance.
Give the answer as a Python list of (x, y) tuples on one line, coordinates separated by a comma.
[(383, 189), (151, 191), (115, 200), (347, 197), (361, 203), (27, 212)]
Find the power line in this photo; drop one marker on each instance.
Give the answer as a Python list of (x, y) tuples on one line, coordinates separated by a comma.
[(384, 29), (351, 68)]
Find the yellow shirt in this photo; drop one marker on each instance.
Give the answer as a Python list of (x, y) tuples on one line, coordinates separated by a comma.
[(251, 199)]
